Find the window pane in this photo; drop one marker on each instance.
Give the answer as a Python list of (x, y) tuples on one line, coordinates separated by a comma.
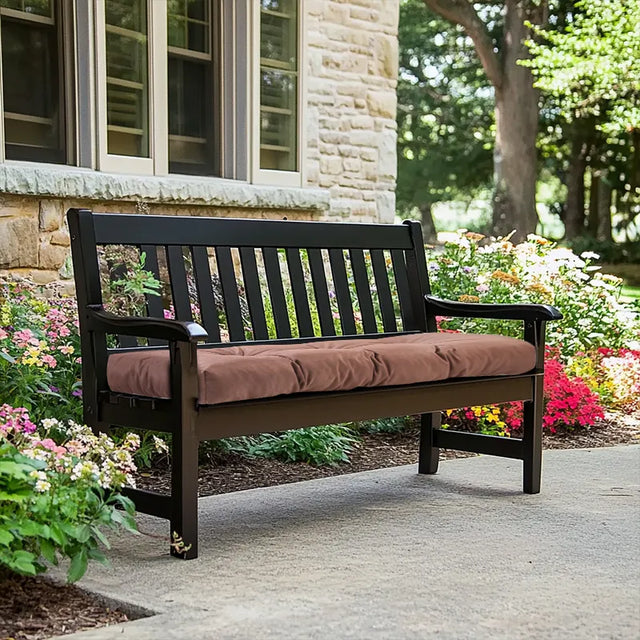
[(191, 69), (34, 7), (31, 82), (278, 85), (127, 78)]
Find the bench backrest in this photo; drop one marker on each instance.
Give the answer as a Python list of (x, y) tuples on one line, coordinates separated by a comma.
[(271, 278)]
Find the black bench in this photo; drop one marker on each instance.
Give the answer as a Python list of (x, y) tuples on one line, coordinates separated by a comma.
[(391, 304)]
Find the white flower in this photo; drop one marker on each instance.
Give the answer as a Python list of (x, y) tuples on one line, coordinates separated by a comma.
[(160, 445), (42, 486), (589, 255)]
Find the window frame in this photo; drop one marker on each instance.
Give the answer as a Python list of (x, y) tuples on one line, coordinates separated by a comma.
[(64, 21), (276, 177), (157, 163)]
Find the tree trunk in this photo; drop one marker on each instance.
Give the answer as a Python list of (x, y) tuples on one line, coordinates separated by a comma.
[(515, 155), (514, 203), (574, 217), (603, 230), (594, 195), (429, 231)]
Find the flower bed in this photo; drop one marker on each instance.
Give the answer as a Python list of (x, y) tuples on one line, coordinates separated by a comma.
[(59, 482)]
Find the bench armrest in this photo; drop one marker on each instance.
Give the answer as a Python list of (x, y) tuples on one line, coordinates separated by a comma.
[(531, 312), (161, 328)]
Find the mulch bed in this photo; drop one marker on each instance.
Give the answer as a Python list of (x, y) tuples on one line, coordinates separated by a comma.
[(37, 608), (233, 472)]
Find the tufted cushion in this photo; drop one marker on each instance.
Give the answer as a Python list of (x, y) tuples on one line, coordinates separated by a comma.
[(232, 374)]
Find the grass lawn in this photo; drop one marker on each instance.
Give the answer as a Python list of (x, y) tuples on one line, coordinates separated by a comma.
[(631, 293)]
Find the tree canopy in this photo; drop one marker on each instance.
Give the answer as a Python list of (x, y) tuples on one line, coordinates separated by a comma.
[(593, 65)]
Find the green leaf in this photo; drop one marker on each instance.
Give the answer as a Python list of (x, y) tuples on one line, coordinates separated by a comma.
[(7, 357), (98, 556), (6, 537), (100, 536), (48, 551), (78, 566)]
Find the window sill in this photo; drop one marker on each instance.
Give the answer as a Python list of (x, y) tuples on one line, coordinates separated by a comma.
[(31, 179)]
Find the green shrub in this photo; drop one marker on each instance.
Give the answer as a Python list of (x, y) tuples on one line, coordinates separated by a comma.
[(473, 270), (385, 425), (55, 499), (328, 444)]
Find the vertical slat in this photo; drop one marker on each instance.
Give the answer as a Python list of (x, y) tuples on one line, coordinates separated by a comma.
[(276, 292), (343, 295), (404, 293), (321, 292), (254, 293), (178, 278), (300, 301), (154, 303), (230, 294), (384, 292), (208, 309), (418, 277), (363, 290)]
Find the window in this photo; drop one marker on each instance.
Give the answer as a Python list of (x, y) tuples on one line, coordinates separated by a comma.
[(151, 87), (33, 90), (278, 85), (193, 101), (127, 77)]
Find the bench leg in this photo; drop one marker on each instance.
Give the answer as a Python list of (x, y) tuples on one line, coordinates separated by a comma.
[(532, 439), (429, 455), (184, 495)]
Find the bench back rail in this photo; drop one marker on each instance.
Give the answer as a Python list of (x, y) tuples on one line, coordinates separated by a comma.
[(244, 275)]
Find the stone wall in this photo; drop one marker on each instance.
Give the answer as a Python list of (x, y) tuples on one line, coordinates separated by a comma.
[(352, 70), (348, 115)]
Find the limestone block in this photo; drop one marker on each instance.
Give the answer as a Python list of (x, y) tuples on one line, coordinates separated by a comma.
[(18, 241), (386, 206), (370, 170), (368, 154), (60, 237), (346, 62), (386, 53), (387, 161), (352, 164), (362, 122), (312, 172), (331, 165), (41, 276), (362, 138), (51, 215), (364, 14), (347, 151), (51, 256), (360, 103), (382, 103), (336, 13), (355, 89)]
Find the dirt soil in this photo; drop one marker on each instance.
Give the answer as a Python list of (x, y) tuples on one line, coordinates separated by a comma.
[(233, 472), (38, 608)]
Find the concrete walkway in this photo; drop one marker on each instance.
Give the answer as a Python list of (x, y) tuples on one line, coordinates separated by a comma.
[(391, 555)]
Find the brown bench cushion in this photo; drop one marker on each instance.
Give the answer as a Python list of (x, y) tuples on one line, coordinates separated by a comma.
[(233, 374)]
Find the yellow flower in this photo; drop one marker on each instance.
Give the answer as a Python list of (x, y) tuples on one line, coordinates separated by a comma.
[(466, 298), (505, 277)]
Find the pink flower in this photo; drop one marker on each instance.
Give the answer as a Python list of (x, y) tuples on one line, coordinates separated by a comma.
[(3, 334), (50, 361), (23, 337)]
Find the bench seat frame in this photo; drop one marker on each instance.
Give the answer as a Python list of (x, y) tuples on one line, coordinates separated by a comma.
[(190, 423)]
